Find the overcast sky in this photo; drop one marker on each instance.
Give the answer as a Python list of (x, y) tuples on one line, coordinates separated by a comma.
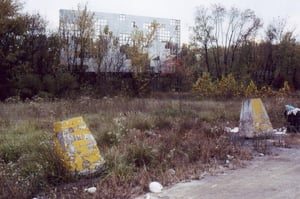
[(183, 10)]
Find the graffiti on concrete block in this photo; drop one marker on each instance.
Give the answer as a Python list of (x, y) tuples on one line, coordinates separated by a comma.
[(77, 146), (254, 119)]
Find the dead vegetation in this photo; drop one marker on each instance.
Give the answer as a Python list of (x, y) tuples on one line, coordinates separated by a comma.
[(142, 140)]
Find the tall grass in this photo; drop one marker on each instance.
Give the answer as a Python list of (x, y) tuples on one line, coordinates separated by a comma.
[(140, 139)]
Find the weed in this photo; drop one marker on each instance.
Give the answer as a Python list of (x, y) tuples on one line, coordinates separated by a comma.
[(140, 139), (117, 164), (140, 154), (10, 152), (162, 123), (261, 144)]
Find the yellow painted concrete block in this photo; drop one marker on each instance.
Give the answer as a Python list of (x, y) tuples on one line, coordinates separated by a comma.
[(254, 119), (77, 146)]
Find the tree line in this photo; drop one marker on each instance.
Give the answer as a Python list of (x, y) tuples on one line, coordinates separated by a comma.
[(224, 41), (227, 41)]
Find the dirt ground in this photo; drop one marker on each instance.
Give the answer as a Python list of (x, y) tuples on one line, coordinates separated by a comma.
[(274, 176)]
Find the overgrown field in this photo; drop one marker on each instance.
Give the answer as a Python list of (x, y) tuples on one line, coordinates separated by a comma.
[(142, 140)]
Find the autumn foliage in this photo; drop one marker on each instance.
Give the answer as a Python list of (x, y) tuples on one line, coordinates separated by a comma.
[(228, 87)]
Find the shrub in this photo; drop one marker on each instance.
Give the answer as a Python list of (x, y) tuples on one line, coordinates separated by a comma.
[(29, 161), (116, 132), (10, 152), (141, 121), (266, 91), (227, 87), (49, 83), (251, 90), (204, 86), (65, 83), (117, 164), (140, 154), (285, 90), (29, 85), (162, 123)]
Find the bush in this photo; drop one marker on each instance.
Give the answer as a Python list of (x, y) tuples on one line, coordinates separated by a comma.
[(141, 155), (117, 164), (29, 85), (228, 87), (49, 83), (285, 90), (251, 90), (66, 83), (204, 86), (28, 161)]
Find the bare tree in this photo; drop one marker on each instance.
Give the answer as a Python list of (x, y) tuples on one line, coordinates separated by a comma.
[(220, 32), (107, 53), (102, 46), (202, 33), (276, 30)]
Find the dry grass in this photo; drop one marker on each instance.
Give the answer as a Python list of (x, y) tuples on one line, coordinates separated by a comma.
[(141, 139)]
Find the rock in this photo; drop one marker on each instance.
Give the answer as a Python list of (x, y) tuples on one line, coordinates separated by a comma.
[(227, 129), (230, 157), (155, 187), (148, 196), (91, 190), (171, 172), (202, 175), (261, 154), (235, 130), (230, 130)]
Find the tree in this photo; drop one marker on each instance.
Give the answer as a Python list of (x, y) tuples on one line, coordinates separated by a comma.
[(107, 52), (35, 43), (12, 25), (77, 33), (202, 32), (85, 24), (287, 64), (280, 56), (102, 46), (140, 43), (220, 32), (276, 30)]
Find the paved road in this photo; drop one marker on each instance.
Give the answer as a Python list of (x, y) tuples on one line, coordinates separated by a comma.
[(268, 177)]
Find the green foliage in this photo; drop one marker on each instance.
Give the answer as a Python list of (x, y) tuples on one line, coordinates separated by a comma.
[(49, 83), (28, 160), (26, 53), (29, 85), (62, 84), (10, 152), (65, 83)]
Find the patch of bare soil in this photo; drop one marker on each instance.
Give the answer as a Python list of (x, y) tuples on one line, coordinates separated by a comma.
[(275, 175)]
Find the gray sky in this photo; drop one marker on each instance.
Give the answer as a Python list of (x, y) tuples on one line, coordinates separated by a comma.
[(183, 10)]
